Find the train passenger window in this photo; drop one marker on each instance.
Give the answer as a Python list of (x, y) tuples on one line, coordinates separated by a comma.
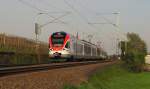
[(67, 45)]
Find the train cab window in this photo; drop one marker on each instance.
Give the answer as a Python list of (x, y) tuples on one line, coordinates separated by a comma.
[(67, 45), (58, 39)]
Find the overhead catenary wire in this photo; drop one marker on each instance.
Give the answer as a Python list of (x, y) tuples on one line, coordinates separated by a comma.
[(45, 2), (82, 16), (54, 20), (36, 8), (119, 32), (63, 12), (94, 12), (30, 5), (48, 13), (76, 11)]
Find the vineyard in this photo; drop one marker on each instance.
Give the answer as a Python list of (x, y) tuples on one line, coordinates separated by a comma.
[(18, 50)]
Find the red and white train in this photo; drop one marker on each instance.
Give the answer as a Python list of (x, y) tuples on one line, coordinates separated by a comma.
[(64, 45)]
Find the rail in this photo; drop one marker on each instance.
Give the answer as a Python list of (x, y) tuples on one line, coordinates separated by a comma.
[(20, 69)]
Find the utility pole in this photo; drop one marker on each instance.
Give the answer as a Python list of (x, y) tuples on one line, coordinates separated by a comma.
[(118, 28), (90, 37), (77, 36), (37, 33), (117, 46)]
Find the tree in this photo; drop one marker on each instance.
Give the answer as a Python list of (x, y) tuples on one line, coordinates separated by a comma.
[(135, 52)]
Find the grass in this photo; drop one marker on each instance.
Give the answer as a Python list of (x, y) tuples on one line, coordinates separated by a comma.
[(115, 77)]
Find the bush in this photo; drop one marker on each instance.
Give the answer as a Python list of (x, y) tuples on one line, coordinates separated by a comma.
[(135, 50)]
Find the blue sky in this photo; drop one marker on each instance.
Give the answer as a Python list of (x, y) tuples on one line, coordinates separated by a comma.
[(18, 19)]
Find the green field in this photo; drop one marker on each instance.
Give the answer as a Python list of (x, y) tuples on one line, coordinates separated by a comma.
[(115, 77)]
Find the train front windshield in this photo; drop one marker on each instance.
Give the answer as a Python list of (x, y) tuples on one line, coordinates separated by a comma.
[(58, 39)]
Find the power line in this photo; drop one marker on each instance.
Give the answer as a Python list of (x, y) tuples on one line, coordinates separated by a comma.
[(118, 31), (55, 20), (30, 5), (48, 4), (74, 9), (42, 11), (83, 17), (94, 12), (109, 22), (36, 8)]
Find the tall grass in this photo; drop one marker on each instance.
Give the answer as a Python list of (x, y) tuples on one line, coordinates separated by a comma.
[(23, 59), (116, 77)]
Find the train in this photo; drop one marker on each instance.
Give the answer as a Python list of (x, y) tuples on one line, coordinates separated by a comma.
[(65, 45)]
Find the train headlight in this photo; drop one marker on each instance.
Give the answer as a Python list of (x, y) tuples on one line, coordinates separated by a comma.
[(50, 49)]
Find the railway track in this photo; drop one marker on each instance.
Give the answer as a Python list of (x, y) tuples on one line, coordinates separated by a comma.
[(20, 69)]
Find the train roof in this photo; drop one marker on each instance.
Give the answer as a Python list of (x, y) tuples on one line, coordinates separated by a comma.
[(62, 32), (88, 42)]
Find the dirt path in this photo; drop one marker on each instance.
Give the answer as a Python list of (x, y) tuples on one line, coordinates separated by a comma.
[(49, 79)]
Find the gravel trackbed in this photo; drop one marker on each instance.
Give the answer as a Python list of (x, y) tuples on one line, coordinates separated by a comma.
[(50, 79)]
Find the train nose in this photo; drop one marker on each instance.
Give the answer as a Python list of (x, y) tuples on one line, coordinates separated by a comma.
[(56, 54)]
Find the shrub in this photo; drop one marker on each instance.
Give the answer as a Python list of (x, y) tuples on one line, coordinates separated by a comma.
[(135, 52)]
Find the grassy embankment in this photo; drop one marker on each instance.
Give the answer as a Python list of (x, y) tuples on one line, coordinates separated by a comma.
[(115, 77)]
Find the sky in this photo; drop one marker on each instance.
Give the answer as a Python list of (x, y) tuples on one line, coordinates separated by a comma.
[(17, 17)]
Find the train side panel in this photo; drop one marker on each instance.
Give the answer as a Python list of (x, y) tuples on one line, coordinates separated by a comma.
[(84, 50)]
